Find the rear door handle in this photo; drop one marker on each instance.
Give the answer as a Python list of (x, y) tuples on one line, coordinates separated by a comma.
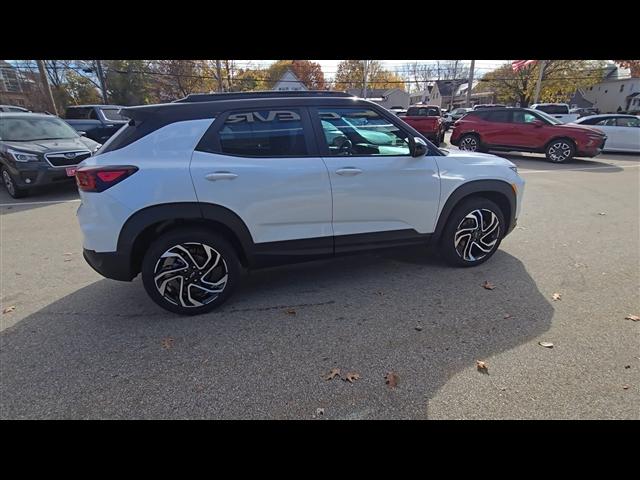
[(212, 177), (348, 171)]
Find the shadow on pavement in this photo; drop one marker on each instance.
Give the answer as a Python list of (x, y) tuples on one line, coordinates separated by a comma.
[(106, 351), (47, 194)]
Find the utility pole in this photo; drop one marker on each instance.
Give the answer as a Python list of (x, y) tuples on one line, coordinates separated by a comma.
[(455, 86), (473, 64), (46, 86), (539, 84), (103, 85), (364, 80), (219, 74)]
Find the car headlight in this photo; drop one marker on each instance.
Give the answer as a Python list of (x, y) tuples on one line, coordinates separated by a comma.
[(23, 157)]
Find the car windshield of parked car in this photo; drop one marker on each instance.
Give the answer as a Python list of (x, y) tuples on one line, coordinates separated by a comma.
[(548, 118), (112, 114), (27, 129)]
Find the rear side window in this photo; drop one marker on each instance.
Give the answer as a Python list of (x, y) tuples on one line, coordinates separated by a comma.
[(627, 122), (423, 112), (81, 113), (263, 133), (499, 116)]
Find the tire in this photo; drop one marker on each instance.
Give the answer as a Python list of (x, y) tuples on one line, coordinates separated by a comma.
[(474, 247), (10, 185), (560, 150), (470, 142), (192, 254)]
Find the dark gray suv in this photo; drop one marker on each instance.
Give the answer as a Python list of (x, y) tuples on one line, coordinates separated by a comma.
[(38, 149)]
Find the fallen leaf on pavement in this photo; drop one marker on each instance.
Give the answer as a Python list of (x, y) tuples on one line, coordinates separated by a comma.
[(627, 366), (391, 379), (335, 372), (557, 296), (482, 367), (602, 213), (68, 253), (507, 316), (67, 259), (9, 309), (167, 343), (546, 344), (418, 328), (488, 285), (290, 311), (625, 387), (319, 412), (634, 318), (351, 377)]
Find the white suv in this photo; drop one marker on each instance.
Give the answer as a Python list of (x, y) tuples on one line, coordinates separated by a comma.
[(190, 193)]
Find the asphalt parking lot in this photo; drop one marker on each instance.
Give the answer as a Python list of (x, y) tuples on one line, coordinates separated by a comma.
[(80, 346)]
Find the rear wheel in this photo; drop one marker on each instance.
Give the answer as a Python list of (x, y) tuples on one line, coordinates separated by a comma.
[(473, 232), (190, 271), (560, 150), (11, 185), (470, 142)]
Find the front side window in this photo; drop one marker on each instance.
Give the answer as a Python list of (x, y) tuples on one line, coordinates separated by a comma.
[(78, 113), (523, 117), (263, 133), (361, 131), (26, 129), (627, 122), (112, 114)]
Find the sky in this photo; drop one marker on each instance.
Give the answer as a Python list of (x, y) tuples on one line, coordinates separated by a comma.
[(329, 67)]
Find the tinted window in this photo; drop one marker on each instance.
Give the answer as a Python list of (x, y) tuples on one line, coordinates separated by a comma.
[(360, 131), (423, 112), (593, 121), (500, 116), (553, 109), (263, 133), (78, 113)]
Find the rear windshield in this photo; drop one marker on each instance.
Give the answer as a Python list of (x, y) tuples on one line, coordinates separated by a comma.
[(553, 109), (423, 112), (112, 114)]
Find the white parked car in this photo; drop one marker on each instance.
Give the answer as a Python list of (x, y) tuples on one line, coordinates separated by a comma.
[(559, 111), (188, 194), (623, 131)]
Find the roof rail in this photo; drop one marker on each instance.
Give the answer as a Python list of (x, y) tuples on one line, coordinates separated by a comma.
[(212, 97)]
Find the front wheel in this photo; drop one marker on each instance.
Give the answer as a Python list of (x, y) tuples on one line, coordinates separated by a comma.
[(559, 151), (470, 142), (473, 233), (190, 271), (11, 186)]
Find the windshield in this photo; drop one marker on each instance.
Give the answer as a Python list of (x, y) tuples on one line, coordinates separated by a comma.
[(549, 118), (28, 129), (112, 114)]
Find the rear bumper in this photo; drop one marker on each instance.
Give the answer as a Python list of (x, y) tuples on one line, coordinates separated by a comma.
[(110, 264)]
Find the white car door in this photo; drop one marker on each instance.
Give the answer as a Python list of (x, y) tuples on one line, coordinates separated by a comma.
[(614, 136), (377, 185), (258, 164), (628, 129)]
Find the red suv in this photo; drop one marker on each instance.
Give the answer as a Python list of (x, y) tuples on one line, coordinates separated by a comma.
[(525, 130)]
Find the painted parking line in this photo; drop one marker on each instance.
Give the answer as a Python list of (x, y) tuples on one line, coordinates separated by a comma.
[(17, 204), (520, 170)]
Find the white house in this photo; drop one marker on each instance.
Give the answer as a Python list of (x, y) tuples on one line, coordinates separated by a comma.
[(618, 92), (289, 81), (387, 97)]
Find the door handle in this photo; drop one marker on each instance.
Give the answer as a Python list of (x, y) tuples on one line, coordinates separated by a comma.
[(212, 177), (348, 171)]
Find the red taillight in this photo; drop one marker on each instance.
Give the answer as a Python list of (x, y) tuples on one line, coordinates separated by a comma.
[(98, 179)]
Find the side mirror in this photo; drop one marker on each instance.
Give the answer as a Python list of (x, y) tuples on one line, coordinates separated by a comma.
[(417, 146), (538, 123)]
